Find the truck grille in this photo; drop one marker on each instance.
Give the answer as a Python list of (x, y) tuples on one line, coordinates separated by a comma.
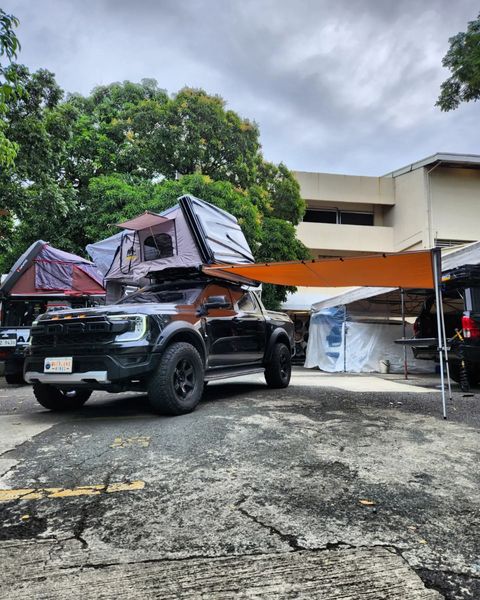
[(67, 339), (74, 332)]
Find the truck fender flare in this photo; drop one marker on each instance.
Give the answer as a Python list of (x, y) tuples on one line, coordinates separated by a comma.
[(278, 335), (181, 331)]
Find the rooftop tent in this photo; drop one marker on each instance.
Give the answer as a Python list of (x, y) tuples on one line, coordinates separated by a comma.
[(189, 234), (45, 270), (217, 232)]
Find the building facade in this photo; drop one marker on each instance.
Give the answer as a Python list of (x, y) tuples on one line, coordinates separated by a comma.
[(433, 202)]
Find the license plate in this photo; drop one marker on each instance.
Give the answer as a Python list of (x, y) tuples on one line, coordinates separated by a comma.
[(8, 342), (61, 364)]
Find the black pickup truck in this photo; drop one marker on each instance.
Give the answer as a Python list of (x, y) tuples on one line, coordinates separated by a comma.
[(167, 339)]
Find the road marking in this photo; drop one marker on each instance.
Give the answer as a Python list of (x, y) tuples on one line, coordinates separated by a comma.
[(142, 441), (81, 490)]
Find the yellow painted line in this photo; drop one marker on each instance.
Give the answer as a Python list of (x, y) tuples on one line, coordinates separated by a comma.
[(81, 490), (143, 441)]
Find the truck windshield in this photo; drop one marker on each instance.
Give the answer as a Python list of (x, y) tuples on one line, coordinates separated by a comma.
[(162, 296)]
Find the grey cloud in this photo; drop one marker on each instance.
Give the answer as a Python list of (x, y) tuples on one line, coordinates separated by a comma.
[(343, 86)]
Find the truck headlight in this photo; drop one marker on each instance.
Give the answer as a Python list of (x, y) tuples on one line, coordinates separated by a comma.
[(138, 327)]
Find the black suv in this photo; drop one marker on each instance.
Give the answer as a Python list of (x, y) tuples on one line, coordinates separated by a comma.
[(167, 339), (461, 292)]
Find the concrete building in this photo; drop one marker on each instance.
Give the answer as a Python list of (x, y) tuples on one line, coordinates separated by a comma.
[(433, 202)]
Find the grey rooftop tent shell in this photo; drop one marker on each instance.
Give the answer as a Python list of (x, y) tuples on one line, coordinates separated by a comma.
[(190, 234)]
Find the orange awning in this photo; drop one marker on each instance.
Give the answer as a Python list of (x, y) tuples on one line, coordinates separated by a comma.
[(403, 269)]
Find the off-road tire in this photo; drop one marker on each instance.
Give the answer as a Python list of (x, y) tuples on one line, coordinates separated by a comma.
[(278, 370), (176, 386), (469, 377), (14, 378), (60, 400)]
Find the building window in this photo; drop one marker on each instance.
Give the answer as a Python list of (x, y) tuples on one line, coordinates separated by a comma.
[(338, 217), (356, 218), (320, 216)]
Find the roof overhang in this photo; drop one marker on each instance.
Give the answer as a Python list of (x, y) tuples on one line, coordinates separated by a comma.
[(467, 161)]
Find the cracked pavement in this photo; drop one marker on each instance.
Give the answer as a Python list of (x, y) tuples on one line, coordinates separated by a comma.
[(369, 484)]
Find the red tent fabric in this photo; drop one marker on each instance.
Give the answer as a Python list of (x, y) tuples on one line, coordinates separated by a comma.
[(45, 270)]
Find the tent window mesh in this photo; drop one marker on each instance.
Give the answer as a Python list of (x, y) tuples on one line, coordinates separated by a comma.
[(158, 246)]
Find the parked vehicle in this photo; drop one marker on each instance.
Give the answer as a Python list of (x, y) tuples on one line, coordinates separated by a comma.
[(462, 325), (167, 340), (43, 278), (16, 317)]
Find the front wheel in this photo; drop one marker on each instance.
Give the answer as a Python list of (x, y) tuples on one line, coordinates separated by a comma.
[(279, 368), (177, 385), (60, 400)]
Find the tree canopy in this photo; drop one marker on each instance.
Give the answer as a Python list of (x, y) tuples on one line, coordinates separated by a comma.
[(9, 45), (85, 163), (463, 61)]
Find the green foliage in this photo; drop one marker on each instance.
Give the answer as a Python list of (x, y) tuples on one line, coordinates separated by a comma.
[(31, 124), (195, 134), (9, 45), (463, 61), (278, 243), (283, 191), (86, 163)]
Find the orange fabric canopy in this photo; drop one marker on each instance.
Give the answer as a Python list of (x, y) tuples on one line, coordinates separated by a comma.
[(402, 269)]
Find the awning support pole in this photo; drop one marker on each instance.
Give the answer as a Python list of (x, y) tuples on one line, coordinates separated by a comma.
[(438, 301), (404, 327), (445, 338)]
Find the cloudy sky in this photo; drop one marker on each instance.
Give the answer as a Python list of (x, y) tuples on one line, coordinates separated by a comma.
[(344, 86)]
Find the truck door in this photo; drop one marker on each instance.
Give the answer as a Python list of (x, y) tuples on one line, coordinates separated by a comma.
[(250, 327), (220, 328)]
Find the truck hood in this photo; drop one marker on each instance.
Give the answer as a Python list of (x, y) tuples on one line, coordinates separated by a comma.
[(113, 309)]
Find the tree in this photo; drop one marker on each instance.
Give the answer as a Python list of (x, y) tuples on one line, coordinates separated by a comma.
[(463, 61), (195, 134), (39, 134), (9, 45), (86, 163)]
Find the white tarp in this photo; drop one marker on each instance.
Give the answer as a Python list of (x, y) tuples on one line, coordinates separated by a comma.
[(305, 297), (349, 295), (336, 345), (466, 255)]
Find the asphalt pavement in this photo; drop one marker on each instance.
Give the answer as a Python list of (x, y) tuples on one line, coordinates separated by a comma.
[(337, 485)]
